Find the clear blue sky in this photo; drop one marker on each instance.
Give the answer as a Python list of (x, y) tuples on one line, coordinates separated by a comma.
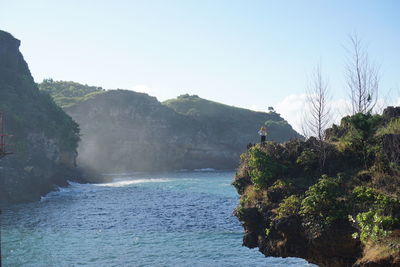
[(245, 53)]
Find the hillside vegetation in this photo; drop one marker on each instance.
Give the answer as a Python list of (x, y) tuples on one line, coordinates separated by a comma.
[(66, 94), (221, 116), (342, 213)]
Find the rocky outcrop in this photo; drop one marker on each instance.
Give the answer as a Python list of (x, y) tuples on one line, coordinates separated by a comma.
[(345, 212), (288, 237), (128, 131), (391, 112), (44, 138)]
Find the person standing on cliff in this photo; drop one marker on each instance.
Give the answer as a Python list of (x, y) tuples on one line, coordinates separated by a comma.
[(263, 133)]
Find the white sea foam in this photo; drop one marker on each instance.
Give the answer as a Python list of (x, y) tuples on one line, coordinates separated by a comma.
[(57, 192), (135, 181), (121, 173), (72, 187), (205, 170)]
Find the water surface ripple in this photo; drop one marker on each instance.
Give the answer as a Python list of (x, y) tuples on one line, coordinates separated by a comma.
[(167, 219)]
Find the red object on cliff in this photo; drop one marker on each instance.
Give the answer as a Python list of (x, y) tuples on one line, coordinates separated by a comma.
[(3, 149)]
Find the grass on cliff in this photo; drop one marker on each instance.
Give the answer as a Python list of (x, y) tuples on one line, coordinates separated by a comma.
[(385, 252), (393, 127)]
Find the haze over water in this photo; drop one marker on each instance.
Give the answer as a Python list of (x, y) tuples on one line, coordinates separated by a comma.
[(170, 219)]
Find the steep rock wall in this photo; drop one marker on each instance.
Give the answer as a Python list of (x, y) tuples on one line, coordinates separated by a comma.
[(44, 138)]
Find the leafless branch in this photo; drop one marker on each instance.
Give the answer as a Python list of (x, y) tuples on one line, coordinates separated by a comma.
[(319, 117), (362, 77)]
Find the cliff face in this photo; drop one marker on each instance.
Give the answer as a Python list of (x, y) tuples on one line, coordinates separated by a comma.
[(128, 131), (342, 211), (44, 138)]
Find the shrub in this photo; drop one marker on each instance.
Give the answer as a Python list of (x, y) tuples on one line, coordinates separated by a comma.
[(361, 126), (368, 197), (360, 135), (263, 168), (278, 184), (374, 225), (288, 207), (378, 220), (364, 194), (308, 159), (322, 202)]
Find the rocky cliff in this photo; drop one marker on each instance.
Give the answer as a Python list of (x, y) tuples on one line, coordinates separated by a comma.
[(44, 138), (128, 131), (333, 203)]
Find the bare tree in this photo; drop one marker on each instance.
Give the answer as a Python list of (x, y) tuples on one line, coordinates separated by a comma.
[(362, 77), (319, 116), (319, 113)]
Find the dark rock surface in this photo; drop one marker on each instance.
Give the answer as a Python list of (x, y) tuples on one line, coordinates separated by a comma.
[(44, 137)]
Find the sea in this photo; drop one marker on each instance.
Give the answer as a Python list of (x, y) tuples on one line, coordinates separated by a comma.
[(139, 219)]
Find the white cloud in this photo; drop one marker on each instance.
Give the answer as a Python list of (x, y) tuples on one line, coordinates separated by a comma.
[(291, 109)]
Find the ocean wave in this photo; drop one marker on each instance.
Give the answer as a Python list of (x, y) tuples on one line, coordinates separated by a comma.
[(122, 173), (205, 170), (72, 188), (57, 192), (135, 181)]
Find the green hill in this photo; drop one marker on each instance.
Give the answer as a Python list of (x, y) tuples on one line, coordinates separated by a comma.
[(221, 117), (124, 130), (67, 93)]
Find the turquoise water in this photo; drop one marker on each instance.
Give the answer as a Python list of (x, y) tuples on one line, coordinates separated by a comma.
[(170, 219)]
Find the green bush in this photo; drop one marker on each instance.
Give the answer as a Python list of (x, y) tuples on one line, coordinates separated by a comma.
[(368, 197), (278, 184), (364, 194), (374, 225), (263, 168), (288, 207), (322, 203), (377, 221), (308, 159), (362, 126), (360, 136)]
